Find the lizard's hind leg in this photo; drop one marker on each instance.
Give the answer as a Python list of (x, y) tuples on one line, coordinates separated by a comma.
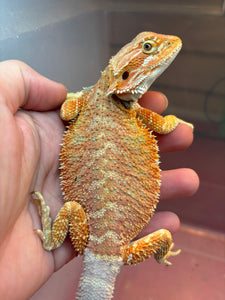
[(158, 243), (71, 218)]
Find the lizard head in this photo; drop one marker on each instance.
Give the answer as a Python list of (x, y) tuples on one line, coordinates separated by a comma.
[(136, 66)]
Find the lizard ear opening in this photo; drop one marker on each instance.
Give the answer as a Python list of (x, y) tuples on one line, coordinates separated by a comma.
[(125, 75)]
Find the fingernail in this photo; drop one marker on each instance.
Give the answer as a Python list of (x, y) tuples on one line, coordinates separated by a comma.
[(165, 99)]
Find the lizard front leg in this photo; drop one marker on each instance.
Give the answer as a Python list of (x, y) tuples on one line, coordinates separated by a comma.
[(73, 104), (157, 123), (71, 218), (158, 243)]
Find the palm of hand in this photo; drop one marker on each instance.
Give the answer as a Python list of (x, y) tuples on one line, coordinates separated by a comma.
[(30, 161)]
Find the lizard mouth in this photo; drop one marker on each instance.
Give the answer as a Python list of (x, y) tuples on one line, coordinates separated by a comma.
[(129, 97), (125, 103)]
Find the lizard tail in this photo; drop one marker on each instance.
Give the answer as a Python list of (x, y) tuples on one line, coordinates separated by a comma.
[(98, 278)]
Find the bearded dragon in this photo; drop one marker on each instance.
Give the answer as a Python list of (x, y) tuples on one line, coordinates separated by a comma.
[(109, 163)]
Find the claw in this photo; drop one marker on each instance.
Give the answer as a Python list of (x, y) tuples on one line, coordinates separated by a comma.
[(168, 254)]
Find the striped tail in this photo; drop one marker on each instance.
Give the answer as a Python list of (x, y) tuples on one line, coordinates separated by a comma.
[(98, 278)]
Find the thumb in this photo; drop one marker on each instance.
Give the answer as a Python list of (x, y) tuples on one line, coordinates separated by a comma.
[(21, 86)]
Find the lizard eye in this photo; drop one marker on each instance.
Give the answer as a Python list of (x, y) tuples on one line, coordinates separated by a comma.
[(148, 47)]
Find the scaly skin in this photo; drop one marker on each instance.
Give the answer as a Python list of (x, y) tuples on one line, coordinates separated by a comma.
[(110, 172)]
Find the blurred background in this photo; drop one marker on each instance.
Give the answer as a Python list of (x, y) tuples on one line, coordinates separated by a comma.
[(71, 42)]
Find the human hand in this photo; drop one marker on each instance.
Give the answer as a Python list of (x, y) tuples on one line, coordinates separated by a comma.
[(30, 139)]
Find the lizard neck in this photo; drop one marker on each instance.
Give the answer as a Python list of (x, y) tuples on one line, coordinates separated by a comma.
[(100, 98), (104, 81)]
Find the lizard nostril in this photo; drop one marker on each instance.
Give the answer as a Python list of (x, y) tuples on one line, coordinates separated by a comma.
[(125, 75)]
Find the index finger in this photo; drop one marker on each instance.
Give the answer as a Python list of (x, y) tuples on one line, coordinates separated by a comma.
[(154, 101)]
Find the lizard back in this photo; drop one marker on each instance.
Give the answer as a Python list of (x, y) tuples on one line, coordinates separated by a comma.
[(109, 164)]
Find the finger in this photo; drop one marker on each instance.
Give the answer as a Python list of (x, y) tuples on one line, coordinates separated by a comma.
[(154, 101), (179, 139), (161, 220), (178, 183), (21, 86)]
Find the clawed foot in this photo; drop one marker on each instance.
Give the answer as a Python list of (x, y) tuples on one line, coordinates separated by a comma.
[(164, 260), (44, 212), (187, 123)]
